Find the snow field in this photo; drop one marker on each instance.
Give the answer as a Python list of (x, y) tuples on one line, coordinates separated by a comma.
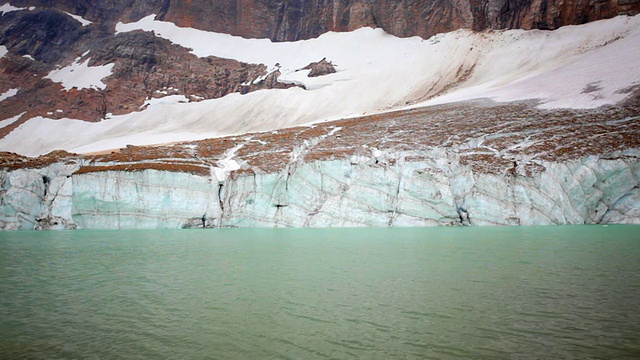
[(573, 67)]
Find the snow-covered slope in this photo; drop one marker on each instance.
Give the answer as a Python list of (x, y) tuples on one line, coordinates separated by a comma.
[(583, 66)]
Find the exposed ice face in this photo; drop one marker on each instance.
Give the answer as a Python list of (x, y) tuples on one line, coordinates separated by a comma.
[(37, 198), (144, 199), (338, 193), (324, 194)]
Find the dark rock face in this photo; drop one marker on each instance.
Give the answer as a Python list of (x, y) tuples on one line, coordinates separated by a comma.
[(106, 11), (286, 20), (46, 35)]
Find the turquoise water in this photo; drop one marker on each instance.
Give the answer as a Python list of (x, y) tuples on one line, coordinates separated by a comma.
[(441, 293)]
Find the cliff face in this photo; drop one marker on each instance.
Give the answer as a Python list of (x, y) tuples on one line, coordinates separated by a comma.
[(287, 20), (338, 193)]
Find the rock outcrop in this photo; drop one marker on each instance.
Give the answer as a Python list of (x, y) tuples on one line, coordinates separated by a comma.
[(320, 68), (286, 20)]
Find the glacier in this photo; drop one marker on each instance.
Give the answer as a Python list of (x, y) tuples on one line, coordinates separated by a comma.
[(377, 191)]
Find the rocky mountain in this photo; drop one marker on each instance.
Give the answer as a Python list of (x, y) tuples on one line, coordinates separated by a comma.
[(43, 35), (42, 40), (290, 20)]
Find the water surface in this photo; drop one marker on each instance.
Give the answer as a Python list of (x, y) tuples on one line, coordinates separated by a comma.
[(441, 293)]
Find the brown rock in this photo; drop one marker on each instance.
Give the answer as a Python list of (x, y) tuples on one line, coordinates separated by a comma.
[(269, 82), (320, 68)]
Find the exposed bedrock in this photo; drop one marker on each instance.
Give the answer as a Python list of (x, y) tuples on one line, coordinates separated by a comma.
[(337, 193)]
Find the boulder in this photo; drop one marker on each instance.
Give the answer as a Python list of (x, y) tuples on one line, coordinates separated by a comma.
[(320, 68)]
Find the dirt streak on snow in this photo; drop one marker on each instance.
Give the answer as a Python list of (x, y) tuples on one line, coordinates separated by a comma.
[(576, 67)]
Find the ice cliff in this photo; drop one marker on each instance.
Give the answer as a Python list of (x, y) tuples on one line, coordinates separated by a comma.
[(372, 191), (470, 163)]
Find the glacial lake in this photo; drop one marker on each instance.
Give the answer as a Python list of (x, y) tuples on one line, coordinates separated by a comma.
[(427, 293)]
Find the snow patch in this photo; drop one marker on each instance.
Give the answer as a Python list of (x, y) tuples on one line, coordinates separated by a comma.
[(3, 51), (80, 19), (551, 66), (9, 93), (557, 67), (6, 8), (81, 75), (227, 165), (7, 122)]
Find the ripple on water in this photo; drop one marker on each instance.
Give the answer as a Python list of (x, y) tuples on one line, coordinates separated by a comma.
[(322, 294)]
